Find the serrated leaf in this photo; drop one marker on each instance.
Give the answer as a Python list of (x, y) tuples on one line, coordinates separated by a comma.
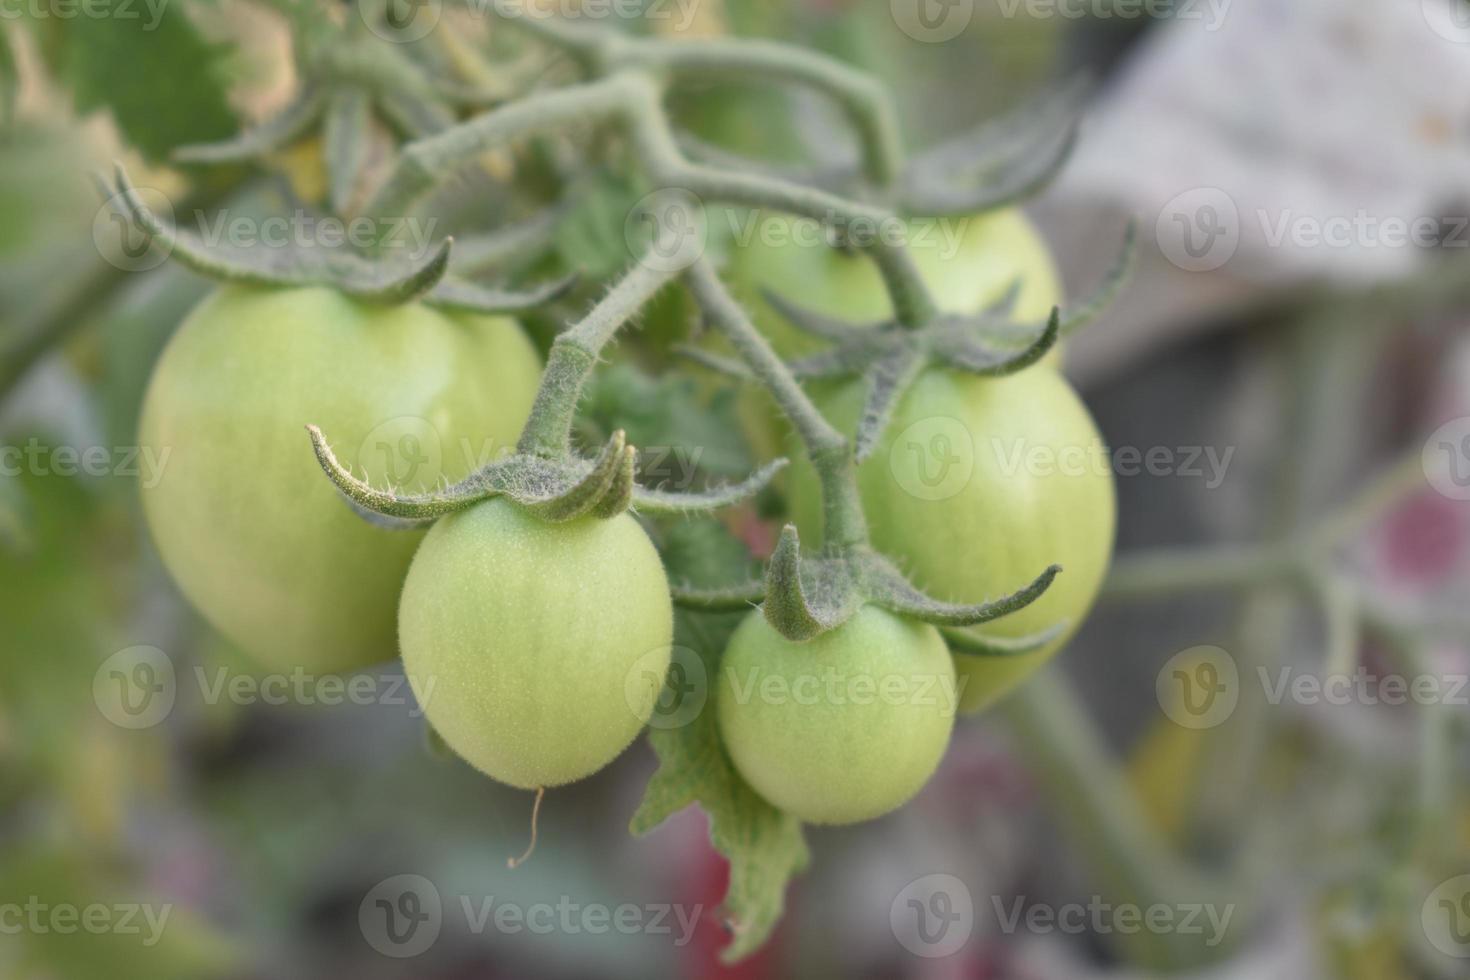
[(150, 66), (764, 846)]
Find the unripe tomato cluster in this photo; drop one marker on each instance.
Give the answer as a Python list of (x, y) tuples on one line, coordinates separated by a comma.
[(519, 636)]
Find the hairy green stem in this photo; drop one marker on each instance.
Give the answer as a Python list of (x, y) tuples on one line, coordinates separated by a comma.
[(423, 163), (831, 455), (573, 355), (861, 96)]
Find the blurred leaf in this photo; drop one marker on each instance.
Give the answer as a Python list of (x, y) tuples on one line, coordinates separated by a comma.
[(164, 84), (592, 236), (667, 419), (764, 846), (9, 78)]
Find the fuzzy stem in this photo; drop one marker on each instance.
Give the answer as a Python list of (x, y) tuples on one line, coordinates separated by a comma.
[(864, 100), (423, 163), (831, 454), (573, 355), (913, 305)]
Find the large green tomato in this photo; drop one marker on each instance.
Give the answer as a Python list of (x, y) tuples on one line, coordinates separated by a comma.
[(977, 485), (968, 261), (537, 650), (844, 727), (249, 527)]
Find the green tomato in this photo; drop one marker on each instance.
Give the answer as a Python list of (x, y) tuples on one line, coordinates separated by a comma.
[(529, 644), (841, 728), (967, 261), (977, 485), (250, 528)]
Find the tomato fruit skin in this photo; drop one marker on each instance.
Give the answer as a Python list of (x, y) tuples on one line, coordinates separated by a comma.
[(246, 522), (537, 650), (977, 485), (968, 261), (848, 756)]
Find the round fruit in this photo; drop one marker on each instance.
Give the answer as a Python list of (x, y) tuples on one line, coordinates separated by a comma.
[(841, 728), (529, 644), (249, 527), (968, 261), (977, 485)]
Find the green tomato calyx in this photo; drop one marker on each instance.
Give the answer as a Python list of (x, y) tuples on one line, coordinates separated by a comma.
[(806, 597), (554, 490)]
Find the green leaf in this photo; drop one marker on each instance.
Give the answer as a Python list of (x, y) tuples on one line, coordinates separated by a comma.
[(164, 84), (764, 846), (677, 429), (593, 235)]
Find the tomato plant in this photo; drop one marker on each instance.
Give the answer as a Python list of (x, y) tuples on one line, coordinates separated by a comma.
[(250, 531), (976, 484), (844, 727), (531, 645)]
